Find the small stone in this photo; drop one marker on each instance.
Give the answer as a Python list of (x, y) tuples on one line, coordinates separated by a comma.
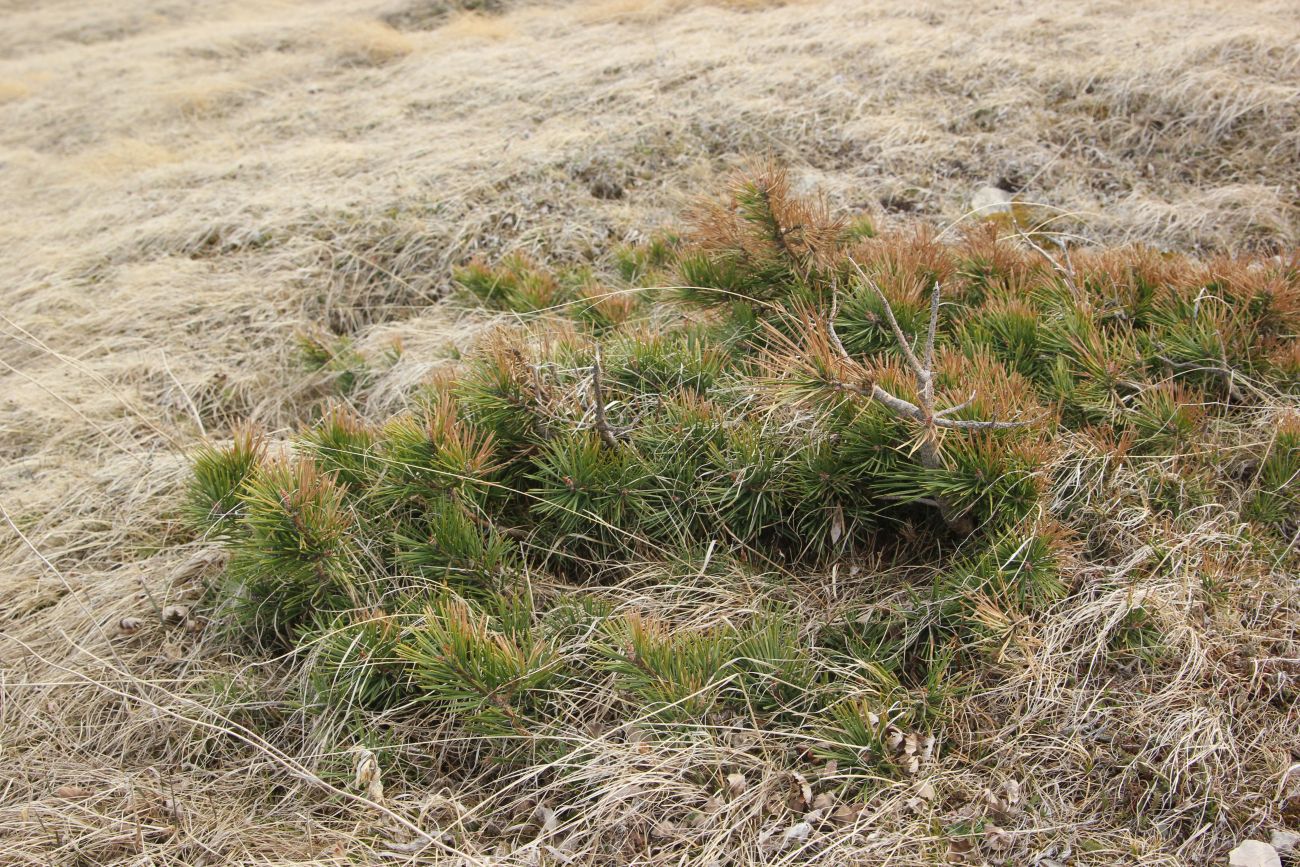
[(1254, 853), (990, 200)]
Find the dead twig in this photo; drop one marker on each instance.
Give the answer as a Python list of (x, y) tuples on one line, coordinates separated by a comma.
[(1064, 270), (598, 395)]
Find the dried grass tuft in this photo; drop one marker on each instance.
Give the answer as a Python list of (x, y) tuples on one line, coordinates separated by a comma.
[(372, 43)]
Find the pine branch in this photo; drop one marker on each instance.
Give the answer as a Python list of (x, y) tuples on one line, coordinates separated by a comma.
[(923, 413)]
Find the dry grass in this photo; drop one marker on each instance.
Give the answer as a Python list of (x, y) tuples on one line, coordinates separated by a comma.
[(159, 254), (11, 90), (469, 26), (368, 43)]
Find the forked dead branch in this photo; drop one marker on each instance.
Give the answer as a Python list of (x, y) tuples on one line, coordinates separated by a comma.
[(924, 413)]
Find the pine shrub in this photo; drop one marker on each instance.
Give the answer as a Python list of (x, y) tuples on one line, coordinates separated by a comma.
[(814, 393)]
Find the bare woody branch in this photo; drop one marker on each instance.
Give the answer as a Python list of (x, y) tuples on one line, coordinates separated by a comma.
[(924, 413), (934, 325), (598, 394)]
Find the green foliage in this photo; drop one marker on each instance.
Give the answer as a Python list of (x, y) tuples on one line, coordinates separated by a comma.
[(857, 736), (343, 445), (775, 673), (213, 503), (496, 681), (1010, 330), (431, 454), (1276, 498), (672, 675), (500, 393), (354, 661), (1019, 569), (1138, 636), (885, 728), (1166, 419), (445, 545), (296, 557), (664, 362), (516, 285), (759, 668), (858, 229), (862, 324), (582, 489), (336, 356)]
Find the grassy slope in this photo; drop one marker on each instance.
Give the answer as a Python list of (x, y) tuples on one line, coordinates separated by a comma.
[(185, 185)]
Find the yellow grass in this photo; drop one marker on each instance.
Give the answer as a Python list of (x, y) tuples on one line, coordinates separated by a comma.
[(119, 156), (11, 90), (368, 42), (193, 182), (471, 25)]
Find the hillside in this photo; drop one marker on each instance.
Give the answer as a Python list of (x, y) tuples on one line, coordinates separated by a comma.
[(226, 217)]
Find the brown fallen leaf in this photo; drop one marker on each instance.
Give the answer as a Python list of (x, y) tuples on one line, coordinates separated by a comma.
[(367, 775), (1011, 795), (960, 848), (847, 814), (801, 795), (996, 838)]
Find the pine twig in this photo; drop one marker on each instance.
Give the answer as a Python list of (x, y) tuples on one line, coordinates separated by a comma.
[(598, 394), (1066, 271), (1227, 373)]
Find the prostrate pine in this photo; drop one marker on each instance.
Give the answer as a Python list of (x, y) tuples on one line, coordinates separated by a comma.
[(814, 400)]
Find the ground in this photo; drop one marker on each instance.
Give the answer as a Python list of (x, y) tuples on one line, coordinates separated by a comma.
[(186, 186)]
